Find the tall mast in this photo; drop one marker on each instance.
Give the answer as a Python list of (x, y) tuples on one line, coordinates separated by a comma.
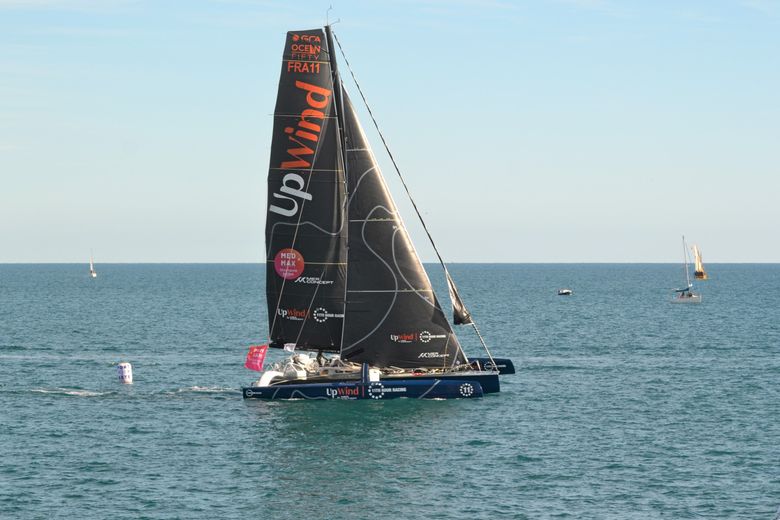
[(337, 95), (685, 261), (342, 147)]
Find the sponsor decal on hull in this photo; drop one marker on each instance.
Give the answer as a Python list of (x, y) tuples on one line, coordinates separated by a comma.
[(343, 392), (377, 390)]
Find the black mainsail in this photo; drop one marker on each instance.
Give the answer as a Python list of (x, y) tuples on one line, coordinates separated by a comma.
[(342, 274), (305, 230)]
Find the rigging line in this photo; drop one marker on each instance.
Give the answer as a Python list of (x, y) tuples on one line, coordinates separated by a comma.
[(479, 335), (446, 348), (403, 182)]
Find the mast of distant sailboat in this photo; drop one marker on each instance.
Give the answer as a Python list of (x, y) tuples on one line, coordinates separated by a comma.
[(685, 263)]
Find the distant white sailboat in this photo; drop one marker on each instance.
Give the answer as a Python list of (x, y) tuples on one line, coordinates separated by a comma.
[(686, 295), (92, 271)]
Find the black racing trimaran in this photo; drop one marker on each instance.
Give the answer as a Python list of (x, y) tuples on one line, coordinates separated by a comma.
[(343, 279)]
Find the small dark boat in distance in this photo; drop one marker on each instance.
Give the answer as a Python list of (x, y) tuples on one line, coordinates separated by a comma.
[(565, 292)]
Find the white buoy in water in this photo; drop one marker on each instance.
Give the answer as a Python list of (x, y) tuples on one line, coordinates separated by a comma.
[(125, 372)]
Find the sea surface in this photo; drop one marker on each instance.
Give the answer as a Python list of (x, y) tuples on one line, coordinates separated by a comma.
[(624, 406)]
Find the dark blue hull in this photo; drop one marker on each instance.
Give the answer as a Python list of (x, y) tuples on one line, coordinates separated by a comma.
[(487, 380), (417, 388)]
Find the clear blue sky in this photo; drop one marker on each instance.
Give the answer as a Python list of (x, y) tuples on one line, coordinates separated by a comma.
[(534, 131)]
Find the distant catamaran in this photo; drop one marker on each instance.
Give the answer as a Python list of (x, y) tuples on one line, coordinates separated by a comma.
[(92, 271), (343, 279)]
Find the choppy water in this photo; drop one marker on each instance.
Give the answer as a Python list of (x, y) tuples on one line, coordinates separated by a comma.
[(625, 406)]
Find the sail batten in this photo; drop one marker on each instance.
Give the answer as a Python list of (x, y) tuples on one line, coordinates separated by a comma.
[(389, 290), (310, 170)]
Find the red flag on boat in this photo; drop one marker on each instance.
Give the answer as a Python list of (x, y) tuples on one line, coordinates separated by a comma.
[(255, 357)]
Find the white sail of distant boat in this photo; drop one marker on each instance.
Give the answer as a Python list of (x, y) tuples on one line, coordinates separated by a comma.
[(698, 268), (92, 271), (686, 295)]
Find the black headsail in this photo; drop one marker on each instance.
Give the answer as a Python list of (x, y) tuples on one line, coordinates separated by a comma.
[(393, 316), (305, 228)]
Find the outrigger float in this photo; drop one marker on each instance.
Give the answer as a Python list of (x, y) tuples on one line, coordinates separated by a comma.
[(343, 279)]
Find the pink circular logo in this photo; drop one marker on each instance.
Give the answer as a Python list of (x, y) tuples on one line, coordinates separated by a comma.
[(289, 263)]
